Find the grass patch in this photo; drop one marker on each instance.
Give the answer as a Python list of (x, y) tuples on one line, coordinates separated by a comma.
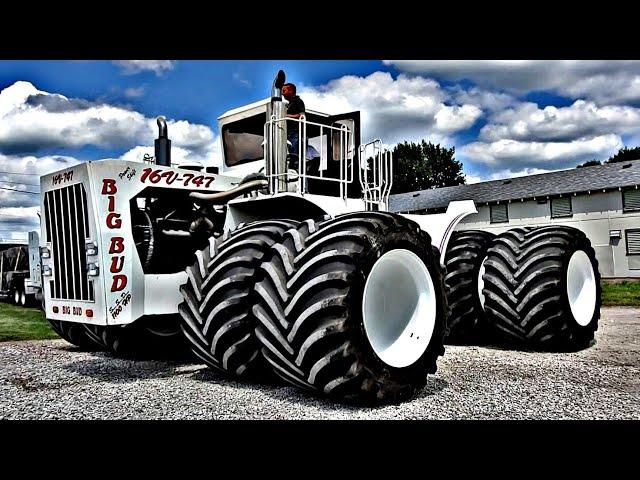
[(18, 323), (621, 294)]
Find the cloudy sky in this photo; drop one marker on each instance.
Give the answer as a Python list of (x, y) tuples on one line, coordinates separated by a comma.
[(505, 118)]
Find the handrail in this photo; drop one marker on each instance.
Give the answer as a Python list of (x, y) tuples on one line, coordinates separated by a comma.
[(345, 157), (376, 179)]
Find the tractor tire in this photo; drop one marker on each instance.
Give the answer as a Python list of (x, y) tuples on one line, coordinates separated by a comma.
[(153, 337), (325, 320), (464, 259), (542, 288), (79, 334), (217, 316)]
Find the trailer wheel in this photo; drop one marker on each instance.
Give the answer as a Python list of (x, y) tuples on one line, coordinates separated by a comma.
[(16, 296), (542, 288), (217, 317), (353, 307), (78, 334), (24, 301), (464, 262)]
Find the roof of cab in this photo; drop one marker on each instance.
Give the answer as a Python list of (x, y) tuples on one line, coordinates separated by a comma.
[(255, 105)]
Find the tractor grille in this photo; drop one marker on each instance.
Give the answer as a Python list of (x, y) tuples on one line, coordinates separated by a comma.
[(67, 228)]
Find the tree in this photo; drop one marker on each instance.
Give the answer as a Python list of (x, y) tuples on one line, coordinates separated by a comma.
[(625, 154), (424, 165), (590, 163)]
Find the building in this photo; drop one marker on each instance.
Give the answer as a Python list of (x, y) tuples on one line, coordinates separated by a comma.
[(603, 201)]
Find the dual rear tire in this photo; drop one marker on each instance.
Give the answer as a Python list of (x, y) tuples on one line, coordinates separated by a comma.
[(533, 287), (352, 307), (542, 288)]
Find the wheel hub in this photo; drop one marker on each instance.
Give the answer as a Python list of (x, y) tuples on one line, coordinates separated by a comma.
[(481, 283), (399, 308), (581, 288)]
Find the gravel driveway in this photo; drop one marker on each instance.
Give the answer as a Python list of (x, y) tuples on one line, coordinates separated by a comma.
[(52, 379)]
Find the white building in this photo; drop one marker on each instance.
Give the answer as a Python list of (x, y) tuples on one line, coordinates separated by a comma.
[(603, 201)]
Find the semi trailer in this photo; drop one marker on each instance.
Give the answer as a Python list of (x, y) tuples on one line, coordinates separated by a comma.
[(20, 280), (288, 262)]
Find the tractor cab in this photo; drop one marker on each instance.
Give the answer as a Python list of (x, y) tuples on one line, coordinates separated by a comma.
[(258, 139)]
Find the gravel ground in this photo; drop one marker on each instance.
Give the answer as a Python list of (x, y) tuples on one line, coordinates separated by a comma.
[(51, 379)]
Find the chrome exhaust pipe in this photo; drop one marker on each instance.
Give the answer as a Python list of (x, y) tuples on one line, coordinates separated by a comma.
[(277, 151)]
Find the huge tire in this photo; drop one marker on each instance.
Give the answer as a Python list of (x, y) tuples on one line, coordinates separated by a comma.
[(330, 325), (217, 316), (463, 261), (79, 334), (542, 288)]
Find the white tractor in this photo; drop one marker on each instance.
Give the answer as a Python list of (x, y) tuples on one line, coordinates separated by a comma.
[(289, 262)]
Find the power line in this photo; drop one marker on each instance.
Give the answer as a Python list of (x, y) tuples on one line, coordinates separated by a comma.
[(20, 183), (20, 191), (19, 173)]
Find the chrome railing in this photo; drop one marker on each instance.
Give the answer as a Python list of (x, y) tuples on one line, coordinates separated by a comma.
[(376, 173), (343, 145)]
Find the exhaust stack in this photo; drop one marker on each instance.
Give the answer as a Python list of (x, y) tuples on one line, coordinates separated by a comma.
[(277, 153), (162, 144)]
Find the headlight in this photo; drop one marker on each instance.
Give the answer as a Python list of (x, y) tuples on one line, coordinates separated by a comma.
[(93, 270), (44, 252), (46, 271), (91, 248)]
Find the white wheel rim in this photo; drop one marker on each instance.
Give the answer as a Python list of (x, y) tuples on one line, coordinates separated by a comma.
[(399, 308), (481, 283), (581, 288), (23, 299), (16, 297)]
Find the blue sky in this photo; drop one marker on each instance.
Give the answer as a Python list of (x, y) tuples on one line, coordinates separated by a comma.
[(505, 118)]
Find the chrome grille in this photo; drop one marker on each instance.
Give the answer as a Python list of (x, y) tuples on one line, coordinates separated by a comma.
[(67, 228)]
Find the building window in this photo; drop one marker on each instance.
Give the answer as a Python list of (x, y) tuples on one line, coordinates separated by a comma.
[(499, 213), (633, 241), (561, 207), (631, 200)]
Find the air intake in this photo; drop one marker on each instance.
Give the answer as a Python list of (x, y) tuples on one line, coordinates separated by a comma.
[(67, 227)]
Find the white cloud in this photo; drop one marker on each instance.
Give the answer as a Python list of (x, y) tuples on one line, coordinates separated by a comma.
[(527, 121), (600, 80), (238, 77), (131, 67), (473, 178), (134, 92), (487, 100), (32, 120), (394, 110), (510, 154)]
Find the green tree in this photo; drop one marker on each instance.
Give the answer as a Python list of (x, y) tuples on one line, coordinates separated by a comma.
[(590, 163), (424, 165), (625, 154)]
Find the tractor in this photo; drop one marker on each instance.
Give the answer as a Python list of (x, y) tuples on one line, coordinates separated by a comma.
[(287, 262)]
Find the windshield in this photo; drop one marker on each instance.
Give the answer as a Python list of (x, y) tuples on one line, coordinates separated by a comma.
[(242, 140)]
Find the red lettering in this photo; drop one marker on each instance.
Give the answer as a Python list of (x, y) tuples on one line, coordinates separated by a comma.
[(117, 245), (113, 220), (118, 283), (115, 267), (112, 203), (109, 186)]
